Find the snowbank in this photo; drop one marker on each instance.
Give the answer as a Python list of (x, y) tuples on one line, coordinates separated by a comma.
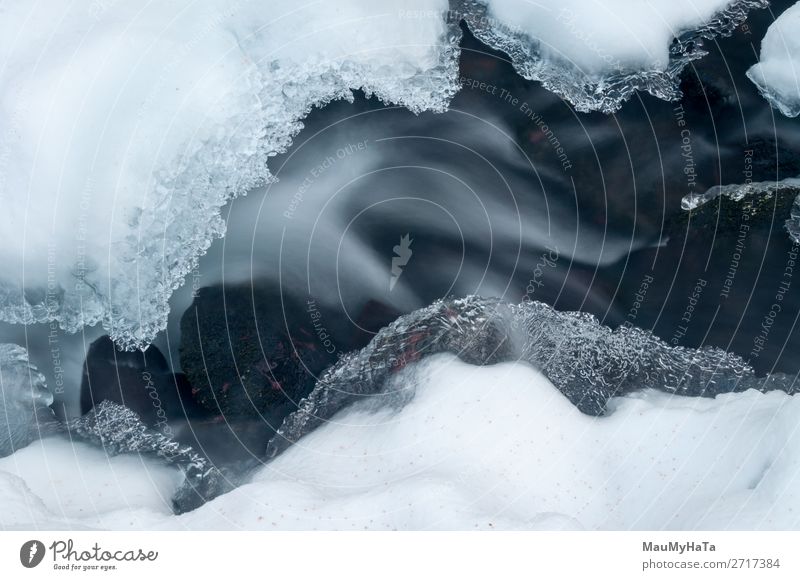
[(477, 448), (777, 75)]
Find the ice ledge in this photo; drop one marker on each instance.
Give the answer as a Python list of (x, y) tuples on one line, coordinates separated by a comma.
[(588, 90)]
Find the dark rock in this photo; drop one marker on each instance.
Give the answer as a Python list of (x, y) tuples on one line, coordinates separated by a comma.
[(248, 353), (141, 381), (720, 220), (226, 441)]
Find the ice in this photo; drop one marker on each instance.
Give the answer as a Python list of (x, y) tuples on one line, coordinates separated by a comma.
[(793, 223), (597, 54), (754, 189), (24, 401), (777, 74), (20, 506), (125, 129), (118, 431), (588, 362), (114, 430)]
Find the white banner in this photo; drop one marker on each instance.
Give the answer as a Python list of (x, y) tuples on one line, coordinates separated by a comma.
[(401, 555)]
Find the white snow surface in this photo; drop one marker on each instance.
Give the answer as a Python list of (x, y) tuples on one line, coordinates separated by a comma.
[(777, 74), (125, 127), (54, 483), (477, 448)]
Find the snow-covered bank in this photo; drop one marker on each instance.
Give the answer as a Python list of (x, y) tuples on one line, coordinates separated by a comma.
[(54, 483), (124, 129), (477, 448)]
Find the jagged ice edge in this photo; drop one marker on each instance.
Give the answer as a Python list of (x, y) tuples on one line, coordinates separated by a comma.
[(604, 93)]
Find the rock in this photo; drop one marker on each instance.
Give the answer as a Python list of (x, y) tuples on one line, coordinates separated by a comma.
[(141, 381), (248, 353)]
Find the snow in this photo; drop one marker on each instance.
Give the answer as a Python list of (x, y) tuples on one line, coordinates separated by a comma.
[(600, 37), (597, 53), (777, 74), (494, 447), (125, 128), (54, 483)]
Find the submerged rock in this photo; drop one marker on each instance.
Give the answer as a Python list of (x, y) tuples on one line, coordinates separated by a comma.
[(251, 359), (766, 196)]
